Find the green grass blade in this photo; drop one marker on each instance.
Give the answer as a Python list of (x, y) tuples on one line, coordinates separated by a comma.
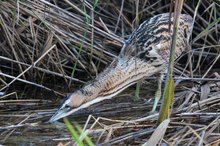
[(137, 91), (87, 139), (205, 31), (168, 101), (73, 132), (168, 96)]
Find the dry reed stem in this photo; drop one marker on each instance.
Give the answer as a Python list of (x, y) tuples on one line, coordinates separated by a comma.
[(89, 38)]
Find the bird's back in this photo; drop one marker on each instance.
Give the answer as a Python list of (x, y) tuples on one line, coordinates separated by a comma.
[(152, 39)]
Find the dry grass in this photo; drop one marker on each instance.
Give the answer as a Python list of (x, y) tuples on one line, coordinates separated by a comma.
[(56, 45)]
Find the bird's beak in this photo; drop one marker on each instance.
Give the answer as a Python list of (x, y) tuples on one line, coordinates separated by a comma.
[(62, 112), (66, 111)]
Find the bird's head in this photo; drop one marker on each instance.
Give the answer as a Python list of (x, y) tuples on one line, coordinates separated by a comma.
[(72, 103)]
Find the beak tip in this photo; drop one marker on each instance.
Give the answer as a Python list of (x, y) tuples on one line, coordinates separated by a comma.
[(54, 118), (58, 115)]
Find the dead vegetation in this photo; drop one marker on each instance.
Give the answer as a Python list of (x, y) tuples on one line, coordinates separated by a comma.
[(59, 44)]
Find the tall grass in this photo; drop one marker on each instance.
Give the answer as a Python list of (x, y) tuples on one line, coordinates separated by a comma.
[(57, 44)]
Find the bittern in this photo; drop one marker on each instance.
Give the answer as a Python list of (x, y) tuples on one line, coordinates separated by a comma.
[(144, 53)]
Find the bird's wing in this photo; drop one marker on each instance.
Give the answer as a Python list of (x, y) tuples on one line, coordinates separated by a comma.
[(152, 38)]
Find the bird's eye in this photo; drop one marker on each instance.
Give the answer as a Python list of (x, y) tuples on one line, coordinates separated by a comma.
[(67, 106)]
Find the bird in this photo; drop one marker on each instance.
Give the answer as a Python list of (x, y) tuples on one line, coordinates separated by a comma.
[(145, 53)]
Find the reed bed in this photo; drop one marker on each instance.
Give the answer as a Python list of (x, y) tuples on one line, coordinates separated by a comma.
[(49, 48)]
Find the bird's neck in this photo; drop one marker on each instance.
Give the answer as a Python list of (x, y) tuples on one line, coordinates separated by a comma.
[(122, 73)]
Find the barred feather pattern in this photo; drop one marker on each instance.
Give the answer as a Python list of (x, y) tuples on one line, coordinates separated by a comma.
[(145, 53), (153, 38)]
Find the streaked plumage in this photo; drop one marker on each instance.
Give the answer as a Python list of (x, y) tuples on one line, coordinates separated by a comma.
[(145, 53)]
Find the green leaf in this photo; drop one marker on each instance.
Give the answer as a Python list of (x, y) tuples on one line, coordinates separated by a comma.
[(168, 101), (87, 139), (137, 91), (204, 32), (73, 132)]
